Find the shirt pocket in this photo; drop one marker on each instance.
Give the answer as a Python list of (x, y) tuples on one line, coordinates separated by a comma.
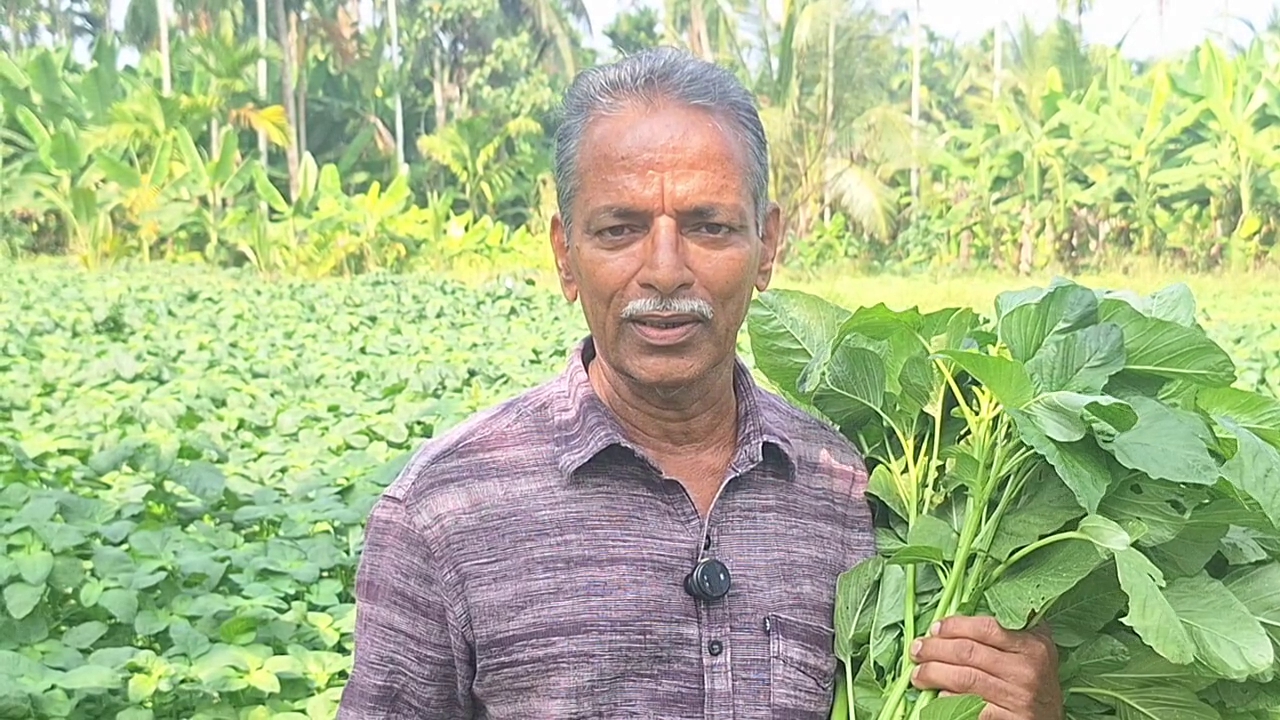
[(802, 668)]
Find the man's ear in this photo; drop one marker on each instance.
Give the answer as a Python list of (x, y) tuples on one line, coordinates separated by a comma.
[(770, 236), (560, 248)]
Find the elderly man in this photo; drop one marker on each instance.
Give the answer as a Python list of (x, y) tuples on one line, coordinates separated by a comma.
[(649, 534)]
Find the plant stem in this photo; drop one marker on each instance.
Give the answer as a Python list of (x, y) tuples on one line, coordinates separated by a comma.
[(848, 689), (1042, 542)]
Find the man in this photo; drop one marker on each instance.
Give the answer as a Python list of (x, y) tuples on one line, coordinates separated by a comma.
[(649, 534)]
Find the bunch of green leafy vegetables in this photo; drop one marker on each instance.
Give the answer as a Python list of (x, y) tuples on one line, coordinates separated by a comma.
[(1081, 460)]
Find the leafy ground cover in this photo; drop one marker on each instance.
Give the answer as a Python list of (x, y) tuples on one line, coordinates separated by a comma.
[(187, 458), (186, 462)]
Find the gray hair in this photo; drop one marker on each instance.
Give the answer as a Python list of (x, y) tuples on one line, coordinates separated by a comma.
[(648, 78)]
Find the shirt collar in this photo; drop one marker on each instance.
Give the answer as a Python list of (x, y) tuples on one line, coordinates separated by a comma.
[(585, 426)]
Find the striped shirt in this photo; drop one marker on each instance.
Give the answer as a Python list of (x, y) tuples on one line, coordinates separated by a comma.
[(529, 564)]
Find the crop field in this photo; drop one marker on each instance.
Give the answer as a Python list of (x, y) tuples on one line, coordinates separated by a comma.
[(187, 458)]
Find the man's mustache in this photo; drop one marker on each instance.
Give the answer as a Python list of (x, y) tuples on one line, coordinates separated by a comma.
[(669, 306)]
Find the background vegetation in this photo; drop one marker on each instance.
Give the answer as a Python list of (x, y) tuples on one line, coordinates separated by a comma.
[(304, 137)]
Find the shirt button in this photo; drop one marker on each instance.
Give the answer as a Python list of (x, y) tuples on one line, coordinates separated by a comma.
[(715, 647), (706, 544)]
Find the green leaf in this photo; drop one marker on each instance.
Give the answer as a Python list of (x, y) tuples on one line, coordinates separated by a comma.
[(239, 630), (913, 554), (187, 640), (854, 387), (1256, 413), (121, 603), (1040, 578), (203, 479), (1006, 379), (1166, 443), (954, 707), (141, 688), (930, 531), (786, 329), (1079, 362), (1175, 303), (35, 567), (1062, 309), (20, 599), (1065, 416), (90, 677), (1168, 350), (1161, 509), (1228, 639), (856, 593), (1104, 533), (1081, 612), (84, 635), (1101, 654), (882, 486), (1254, 470), (1258, 589), (268, 192), (1082, 465), (1150, 613), (1159, 703), (150, 622), (264, 680)]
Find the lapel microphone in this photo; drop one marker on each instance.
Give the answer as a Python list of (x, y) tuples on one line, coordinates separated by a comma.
[(709, 579)]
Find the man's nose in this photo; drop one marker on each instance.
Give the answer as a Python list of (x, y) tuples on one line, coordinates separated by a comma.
[(666, 269)]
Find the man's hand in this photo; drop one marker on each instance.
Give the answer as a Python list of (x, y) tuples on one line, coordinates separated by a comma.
[(1015, 672)]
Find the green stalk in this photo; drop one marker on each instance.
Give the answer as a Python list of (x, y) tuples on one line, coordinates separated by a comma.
[(848, 689), (1003, 567)]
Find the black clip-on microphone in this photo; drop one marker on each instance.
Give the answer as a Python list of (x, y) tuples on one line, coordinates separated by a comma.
[(708, 580)]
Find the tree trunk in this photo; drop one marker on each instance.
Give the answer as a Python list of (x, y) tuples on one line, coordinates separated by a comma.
[(394, 29), (998, 60), (915, 109), (1026, 254), (15, 38), (698, 37), (288, 93), (162, 17), (437, 90), (262, 77), (302, 83), (830, 108)]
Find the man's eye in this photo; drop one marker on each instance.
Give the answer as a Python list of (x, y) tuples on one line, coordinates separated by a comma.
[(714, 228), (616, 232)]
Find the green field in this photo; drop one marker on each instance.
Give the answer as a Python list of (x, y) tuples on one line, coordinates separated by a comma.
[(187, 457)]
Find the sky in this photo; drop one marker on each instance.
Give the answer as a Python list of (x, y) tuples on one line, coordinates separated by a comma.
[(1186, 23)]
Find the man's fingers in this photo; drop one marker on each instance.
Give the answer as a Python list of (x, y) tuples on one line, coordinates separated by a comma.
[(963, 652), (960, 680), (983, 629)]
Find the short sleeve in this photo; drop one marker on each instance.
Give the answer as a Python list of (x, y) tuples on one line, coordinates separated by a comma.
[(412, 658)]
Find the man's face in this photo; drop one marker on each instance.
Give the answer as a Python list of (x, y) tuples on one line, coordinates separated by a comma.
[(664, 213)]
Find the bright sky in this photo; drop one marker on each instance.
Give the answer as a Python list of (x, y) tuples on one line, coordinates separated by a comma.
[(1186, 23)]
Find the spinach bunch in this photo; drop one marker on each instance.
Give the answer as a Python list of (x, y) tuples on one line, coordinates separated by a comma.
[(1081, 459)]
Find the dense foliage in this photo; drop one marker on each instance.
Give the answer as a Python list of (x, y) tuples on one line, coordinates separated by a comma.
[(1081, 458), (1032, 151), (186, 466)]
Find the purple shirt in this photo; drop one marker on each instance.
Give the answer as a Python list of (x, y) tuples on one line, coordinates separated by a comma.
[(529, 564)]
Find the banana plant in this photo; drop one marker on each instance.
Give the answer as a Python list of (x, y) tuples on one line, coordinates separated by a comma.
[(1236, 145)]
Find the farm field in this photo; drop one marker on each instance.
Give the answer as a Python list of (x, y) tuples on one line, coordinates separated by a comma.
[(187, 456)]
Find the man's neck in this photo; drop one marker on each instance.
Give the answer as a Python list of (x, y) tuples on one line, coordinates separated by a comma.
[(698, 418)]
